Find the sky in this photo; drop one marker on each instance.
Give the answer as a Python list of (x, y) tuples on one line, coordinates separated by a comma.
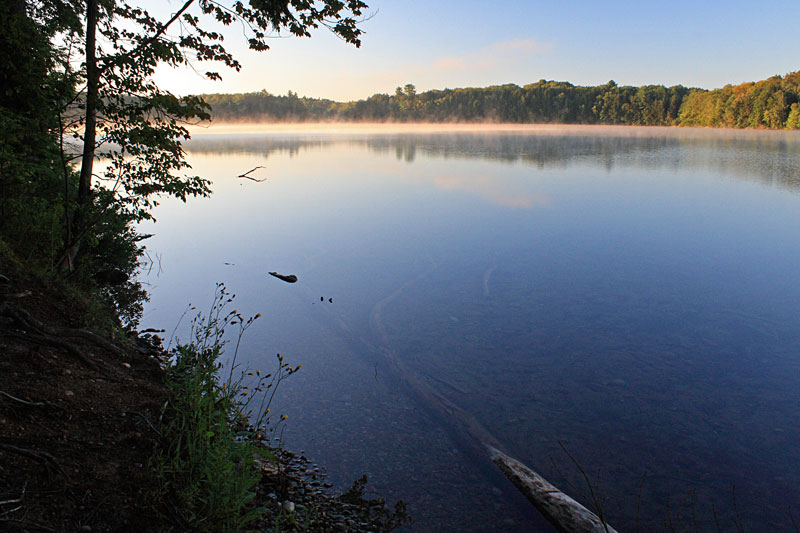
[(437, 44)]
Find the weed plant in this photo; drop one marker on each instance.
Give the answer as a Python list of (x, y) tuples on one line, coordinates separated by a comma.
[(207, 462)]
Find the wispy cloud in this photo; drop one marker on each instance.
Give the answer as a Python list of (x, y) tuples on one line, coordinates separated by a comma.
[(499, 62), (492, 56)]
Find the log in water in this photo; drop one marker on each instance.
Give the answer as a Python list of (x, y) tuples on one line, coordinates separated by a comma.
[(563, 512)]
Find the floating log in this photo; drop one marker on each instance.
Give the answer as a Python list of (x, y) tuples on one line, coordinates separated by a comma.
[(560, 510), (291, 278)]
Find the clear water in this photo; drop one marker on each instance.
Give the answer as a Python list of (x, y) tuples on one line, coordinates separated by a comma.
[(632, 294)]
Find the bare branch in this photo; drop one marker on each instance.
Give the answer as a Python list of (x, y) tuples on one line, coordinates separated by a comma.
[(246, 176)]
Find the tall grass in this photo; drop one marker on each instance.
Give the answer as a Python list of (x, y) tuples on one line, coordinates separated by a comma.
[(206, 464)]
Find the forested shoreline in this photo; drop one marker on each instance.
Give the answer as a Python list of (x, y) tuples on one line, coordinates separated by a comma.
[(773, 103)]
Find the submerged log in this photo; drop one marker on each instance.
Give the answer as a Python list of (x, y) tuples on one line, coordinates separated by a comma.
[(560, 510)]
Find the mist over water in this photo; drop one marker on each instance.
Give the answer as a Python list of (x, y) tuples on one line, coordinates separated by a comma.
[(629, 292)]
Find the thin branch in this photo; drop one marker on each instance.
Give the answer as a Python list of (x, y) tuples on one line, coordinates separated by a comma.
[(639, 499), (157, 432), (597, 505), (154, 37), (716, 520), (737, 520), (246, 175)]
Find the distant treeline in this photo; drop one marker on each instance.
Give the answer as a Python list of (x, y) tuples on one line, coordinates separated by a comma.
[(772, 103)]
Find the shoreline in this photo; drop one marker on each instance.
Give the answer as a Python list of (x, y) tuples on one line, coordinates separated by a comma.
[(80, 427), (554, 130)]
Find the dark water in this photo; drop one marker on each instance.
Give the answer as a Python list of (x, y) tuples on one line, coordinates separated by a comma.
[(633, 296)]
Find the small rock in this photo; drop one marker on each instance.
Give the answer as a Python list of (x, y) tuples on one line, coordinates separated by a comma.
[(69, 393), (288, 506), (126, 365)]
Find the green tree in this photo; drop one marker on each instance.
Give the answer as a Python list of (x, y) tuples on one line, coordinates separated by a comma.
[(76, 79), (140, 128), (32, 176), (793, 120)]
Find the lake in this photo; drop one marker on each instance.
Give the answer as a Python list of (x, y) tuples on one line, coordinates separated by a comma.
[(627, 294)]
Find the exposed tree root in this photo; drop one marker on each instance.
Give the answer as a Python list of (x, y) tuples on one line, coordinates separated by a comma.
[(23, 525), (20, 401), (43, 457), (40, 333), (93, 337), (71, 349)]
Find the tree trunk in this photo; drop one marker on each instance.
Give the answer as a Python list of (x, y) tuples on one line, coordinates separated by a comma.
[(90, 129), (89, 136)]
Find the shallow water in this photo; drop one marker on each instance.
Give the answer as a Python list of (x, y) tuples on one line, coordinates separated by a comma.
[(630, 293)]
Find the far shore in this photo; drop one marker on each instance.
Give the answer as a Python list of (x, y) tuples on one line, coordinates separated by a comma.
[(383, 128)]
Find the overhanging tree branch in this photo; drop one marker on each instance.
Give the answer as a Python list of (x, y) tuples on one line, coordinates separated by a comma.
[(109, 61)]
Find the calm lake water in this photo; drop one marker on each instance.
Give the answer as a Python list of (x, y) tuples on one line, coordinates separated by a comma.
[(633, 294)]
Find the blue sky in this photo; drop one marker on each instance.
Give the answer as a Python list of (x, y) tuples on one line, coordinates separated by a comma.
[(469, 43)]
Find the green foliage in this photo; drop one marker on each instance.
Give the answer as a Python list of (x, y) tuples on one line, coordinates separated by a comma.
[(793, 120), (142, 126), (206, 474), (207, 463), (544, 101), (81, 70), (765, 104), (32, 180)]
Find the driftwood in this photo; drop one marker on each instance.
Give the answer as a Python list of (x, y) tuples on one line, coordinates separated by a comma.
[(291, 278), (247, 175), (560, 510)]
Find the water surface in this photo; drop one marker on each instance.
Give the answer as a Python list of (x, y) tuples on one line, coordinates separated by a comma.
[(629, 293)]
